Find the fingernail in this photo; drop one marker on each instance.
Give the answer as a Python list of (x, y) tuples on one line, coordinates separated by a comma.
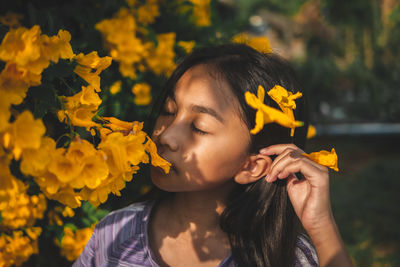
[(267, 178)]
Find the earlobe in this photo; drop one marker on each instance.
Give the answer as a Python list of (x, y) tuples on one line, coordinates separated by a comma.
[(256, 167)]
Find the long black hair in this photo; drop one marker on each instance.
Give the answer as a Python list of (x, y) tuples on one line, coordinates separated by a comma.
[(259, 219)]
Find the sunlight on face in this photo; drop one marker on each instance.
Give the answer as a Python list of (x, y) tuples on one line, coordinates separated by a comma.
[(201, 133)]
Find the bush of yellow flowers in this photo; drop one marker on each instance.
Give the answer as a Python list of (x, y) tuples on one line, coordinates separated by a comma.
[(76, 83)]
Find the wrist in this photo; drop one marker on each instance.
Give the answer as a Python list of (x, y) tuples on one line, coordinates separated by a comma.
[(328, 243)]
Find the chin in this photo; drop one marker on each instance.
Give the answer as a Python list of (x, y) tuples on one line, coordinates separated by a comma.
[(162, 180)]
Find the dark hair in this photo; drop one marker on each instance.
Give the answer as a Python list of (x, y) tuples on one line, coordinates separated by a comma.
[(259, 219)]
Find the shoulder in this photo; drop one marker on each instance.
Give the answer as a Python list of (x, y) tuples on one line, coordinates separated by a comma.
[(124, 223), (305, 254), (119, 232), (133, 213)]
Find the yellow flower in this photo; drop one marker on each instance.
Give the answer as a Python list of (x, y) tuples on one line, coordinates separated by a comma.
[(260, 43), (24, 211), (35, 161), (54, 218), (187, 45), (285, 100), (33, 232), (79, 149), (24, 133), (64, 168), (161, 59), (14, 84), (88, 63), (94, 170), (311, 131), (81, 107), (73, 242), (201, 12), (55, 47), (142, 92), (115, 87), (131, 3), (10, 187), (16, 248), (68, 212), (325, 158), (148, 12), (123, 151), (11, 19), (266, 114), (122, 41), (21, 45), (156, 160), (68, 197), (48, 183), (117, 125)]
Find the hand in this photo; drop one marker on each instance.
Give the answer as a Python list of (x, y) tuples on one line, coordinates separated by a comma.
[(309, 196), (310, 200)]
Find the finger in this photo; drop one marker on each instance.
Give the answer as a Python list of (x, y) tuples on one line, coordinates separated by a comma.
[(277, 149), (288, 152), (289, 165)]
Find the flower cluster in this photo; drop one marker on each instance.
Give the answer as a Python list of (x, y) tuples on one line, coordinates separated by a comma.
[(79, 170), (125, 37), (73, 242), (27, 53), (16, 248)]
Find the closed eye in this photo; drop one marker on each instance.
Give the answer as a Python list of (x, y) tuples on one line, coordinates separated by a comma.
[(197, 130), (166, 113)]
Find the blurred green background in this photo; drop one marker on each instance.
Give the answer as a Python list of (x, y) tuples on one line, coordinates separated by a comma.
[(347, 57)]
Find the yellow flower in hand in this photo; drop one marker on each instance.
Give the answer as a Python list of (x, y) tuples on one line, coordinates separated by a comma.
[(285, 100), (266, 114), (326, 158)]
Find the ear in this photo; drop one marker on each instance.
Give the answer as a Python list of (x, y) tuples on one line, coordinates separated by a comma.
[(256, 167)]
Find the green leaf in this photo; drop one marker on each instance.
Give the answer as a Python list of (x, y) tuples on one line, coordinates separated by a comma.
[(44, 98)]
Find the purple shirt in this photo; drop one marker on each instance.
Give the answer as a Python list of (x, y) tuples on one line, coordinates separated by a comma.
[(120, 239)]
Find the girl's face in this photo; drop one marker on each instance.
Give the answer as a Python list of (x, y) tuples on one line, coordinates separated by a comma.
[(201, 133)]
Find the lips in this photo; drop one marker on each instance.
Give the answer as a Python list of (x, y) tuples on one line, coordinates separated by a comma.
[(173, 165)]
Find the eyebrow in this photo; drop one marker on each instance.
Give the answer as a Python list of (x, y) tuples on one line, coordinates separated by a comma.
[(207, 110)]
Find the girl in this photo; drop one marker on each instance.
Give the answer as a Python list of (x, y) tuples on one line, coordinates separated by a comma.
[(230, 198)]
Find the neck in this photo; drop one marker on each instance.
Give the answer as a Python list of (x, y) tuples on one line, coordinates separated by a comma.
[(200, 209)]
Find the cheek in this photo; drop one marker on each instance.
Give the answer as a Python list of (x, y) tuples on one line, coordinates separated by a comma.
[(222, 159)]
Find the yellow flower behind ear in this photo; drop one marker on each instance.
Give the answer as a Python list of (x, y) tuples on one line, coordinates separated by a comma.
[(325, 158), (285, 100), (266, 114)]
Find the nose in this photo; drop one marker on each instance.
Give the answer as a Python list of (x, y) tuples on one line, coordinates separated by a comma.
[(168, 137)]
